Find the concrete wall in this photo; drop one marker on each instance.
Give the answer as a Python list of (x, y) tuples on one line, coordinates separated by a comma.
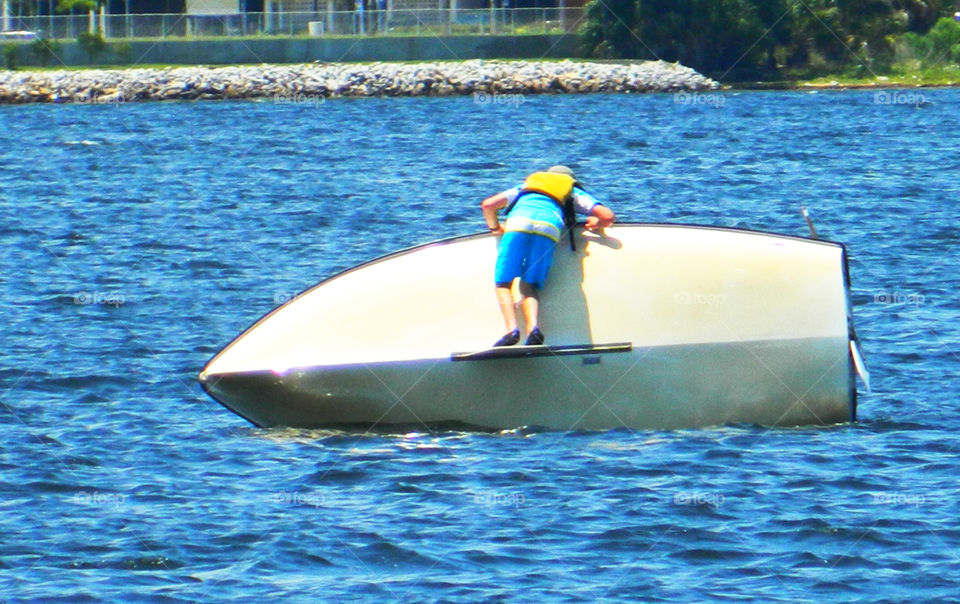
[(303, 50)]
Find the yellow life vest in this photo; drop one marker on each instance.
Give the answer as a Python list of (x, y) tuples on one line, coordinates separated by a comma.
[(557, 187)]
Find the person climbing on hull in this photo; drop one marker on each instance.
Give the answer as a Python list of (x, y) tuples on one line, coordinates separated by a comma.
[(538, 212)]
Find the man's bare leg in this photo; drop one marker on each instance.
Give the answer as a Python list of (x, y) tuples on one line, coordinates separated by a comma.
[(507, 306), (531, 305), (509, 311)]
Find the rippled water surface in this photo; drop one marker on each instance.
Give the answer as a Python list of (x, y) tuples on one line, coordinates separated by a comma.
[(137, 240)]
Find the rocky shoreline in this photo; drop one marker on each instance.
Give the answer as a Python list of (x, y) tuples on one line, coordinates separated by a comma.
[(316, 81)]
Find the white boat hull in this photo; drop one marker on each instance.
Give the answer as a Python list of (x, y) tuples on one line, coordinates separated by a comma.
[(723, 326)]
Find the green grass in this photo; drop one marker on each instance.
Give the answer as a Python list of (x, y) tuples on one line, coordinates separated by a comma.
[(160, 66), (905, 75), (910, 74), (97, 67)]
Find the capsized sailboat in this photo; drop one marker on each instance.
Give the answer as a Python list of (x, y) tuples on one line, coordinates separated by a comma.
[(648, 327)]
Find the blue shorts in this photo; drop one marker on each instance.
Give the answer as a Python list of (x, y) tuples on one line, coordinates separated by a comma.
[(524, 255)]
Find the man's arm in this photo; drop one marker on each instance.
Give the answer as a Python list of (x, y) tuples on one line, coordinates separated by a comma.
[(490, 206), (600, 218)]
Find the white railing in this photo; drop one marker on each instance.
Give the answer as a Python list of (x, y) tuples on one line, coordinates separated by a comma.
[(318, 23)]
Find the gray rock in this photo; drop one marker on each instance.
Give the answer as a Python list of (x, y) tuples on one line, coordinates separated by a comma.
[(348, 80)]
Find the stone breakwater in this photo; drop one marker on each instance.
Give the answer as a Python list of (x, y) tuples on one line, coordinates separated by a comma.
[(316, 81)]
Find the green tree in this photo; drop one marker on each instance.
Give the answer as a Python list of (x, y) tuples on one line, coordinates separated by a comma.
[(940, 45), (69, 6), (608, 32), (923, 14), (714, 36), (749, 38), (839, 32), (93, 45), (777, 33)]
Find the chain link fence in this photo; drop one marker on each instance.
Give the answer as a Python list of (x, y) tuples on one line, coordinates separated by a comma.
[(419, 22)]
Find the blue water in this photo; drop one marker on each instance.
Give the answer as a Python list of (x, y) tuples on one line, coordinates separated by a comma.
[(139, 239)]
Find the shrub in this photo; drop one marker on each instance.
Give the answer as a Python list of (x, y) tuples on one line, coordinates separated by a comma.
[(124, 53), (940, 45), (92, 44), (10, 56), (944, 38), (919, 46), (45, 50)]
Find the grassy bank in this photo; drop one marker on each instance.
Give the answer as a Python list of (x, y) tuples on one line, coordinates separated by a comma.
[(903, 75)]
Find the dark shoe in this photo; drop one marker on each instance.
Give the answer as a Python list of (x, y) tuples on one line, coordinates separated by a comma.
[(535, 338), (509, 339)]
